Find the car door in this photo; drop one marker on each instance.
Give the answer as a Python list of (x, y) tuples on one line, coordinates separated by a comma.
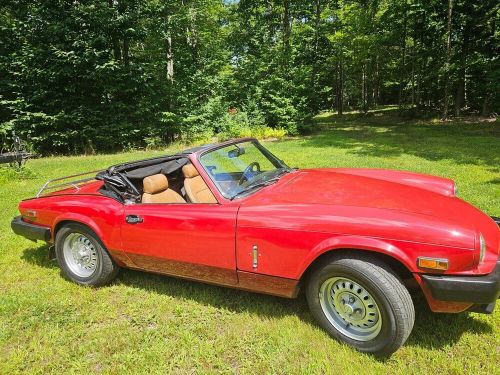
[(195, 241)]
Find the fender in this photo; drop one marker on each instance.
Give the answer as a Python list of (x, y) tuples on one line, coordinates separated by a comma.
[(356, 243), (79, 218), (109, 235)]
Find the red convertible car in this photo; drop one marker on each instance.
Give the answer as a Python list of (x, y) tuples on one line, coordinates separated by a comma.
[(357, 241)]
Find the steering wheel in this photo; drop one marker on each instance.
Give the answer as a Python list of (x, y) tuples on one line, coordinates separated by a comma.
[(252, 169)]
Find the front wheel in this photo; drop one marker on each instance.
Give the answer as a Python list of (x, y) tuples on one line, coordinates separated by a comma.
[(359, 300)]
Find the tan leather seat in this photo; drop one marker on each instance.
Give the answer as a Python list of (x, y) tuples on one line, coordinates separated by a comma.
[(156, 190), (196, 189)]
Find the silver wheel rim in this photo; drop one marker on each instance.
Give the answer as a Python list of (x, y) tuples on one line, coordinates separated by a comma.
[(80, 255), (350, 308)]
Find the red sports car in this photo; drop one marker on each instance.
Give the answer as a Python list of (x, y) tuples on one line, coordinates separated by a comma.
[(357, 241)]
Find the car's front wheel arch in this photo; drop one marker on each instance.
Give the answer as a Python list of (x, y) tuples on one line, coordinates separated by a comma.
[(400, 269)]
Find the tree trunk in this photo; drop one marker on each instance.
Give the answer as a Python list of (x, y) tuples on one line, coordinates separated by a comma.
[(460, 94), (286, 29), (418, 36), (191, 37), (317, 21), (368, 85), (486, 107), (371, 62), (412, 79), (126, 58), (363, 89), (376, 85), (403, 60), (117, 54), (340, 93), (169, 58), (448, 58)]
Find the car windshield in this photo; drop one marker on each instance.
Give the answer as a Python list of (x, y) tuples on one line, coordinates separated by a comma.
[(241, 168)]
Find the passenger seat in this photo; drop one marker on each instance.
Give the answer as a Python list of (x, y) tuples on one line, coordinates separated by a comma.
[(156, 190), (196, 189)]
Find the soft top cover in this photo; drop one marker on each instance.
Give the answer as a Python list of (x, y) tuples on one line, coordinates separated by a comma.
[(143, 168), (165, 168)]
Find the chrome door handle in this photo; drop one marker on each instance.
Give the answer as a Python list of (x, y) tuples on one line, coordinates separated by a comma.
[(134, 219)]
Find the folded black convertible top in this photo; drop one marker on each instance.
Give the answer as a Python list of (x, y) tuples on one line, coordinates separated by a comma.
[(165, 167), (147, 167)]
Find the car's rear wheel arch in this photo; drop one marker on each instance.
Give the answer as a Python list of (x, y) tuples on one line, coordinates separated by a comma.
[(394, 264), (61, 223)]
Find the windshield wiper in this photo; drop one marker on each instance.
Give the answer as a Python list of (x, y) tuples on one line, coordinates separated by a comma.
[(282, 172), (256, 185), (285, 170)]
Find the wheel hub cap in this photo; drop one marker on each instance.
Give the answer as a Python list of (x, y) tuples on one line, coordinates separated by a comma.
[(80, 254), (350, 308)]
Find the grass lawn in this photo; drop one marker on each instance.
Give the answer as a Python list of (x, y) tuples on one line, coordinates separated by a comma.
[(149, 323)]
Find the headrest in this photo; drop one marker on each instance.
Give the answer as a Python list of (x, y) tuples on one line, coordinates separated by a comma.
[(155, 184), (189, 171)]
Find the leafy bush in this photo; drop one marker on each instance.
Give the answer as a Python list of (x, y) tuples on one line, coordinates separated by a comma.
[(240, 124), (280, 113)]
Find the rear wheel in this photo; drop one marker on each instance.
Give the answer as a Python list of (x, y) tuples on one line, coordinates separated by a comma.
[(360, 301), (83, 257)]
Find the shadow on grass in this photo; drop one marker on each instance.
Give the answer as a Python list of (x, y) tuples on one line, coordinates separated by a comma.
[(382, 135), (431, 331), (495, 181), (436, 330), (39, 256)]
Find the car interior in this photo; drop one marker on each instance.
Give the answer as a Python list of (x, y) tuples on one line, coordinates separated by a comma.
[(157, 189), (166, 180)]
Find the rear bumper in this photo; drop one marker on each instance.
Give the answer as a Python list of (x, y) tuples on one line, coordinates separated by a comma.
[(477, 290), (30, 231)]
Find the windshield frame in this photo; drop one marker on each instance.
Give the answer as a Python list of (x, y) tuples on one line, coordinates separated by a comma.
[(275, 161)]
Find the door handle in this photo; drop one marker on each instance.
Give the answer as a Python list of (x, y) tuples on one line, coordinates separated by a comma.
[(134, 219)]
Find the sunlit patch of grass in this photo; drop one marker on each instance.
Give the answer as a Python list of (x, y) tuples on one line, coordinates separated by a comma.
[(16, 174), (145, 323)]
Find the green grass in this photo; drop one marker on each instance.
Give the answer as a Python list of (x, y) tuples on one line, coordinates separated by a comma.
[(148, 323)]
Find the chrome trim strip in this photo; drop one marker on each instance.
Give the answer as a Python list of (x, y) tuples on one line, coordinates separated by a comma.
[(74, 183)]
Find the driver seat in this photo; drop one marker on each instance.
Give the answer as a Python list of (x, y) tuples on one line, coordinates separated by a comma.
[(156, 190), (196, 189)]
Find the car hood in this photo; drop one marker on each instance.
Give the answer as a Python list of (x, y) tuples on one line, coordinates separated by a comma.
[(339, 187)]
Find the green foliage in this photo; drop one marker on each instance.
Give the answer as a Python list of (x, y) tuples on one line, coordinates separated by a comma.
[(101, 75), (240, 125)]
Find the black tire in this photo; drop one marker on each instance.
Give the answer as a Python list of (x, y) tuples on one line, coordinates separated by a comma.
[(393, 300), (105, 270)]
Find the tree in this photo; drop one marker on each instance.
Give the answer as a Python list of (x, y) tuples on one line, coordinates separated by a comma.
[(92, 75)]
